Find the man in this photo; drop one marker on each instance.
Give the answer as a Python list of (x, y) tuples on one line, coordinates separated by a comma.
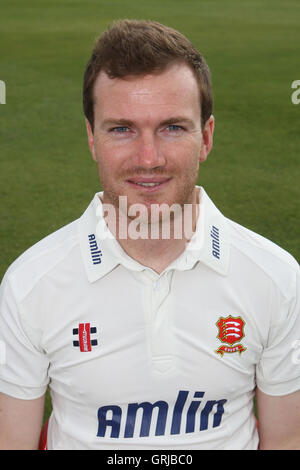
[(153, 318)]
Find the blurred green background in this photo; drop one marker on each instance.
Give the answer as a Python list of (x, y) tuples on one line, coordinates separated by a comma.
[(47, 175)]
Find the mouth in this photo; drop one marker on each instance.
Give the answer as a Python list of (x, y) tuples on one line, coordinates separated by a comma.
[(148, 184)]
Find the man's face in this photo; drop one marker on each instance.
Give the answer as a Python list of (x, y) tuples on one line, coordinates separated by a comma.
[(147, 138)]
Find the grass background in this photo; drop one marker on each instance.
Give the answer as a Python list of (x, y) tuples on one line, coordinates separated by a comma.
[(47, 176)]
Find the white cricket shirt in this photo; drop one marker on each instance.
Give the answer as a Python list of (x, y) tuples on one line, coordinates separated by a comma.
[(137, 360)]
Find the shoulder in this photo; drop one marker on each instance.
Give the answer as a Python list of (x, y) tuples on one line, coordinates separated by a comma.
[(38, 260), (263, 255)]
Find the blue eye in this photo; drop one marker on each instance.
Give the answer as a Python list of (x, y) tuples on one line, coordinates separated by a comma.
[(120, 129), (173, 127)]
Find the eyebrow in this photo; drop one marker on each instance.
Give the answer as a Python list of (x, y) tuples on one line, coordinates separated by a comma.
[(115, 122), (177, 119), (128, 122)]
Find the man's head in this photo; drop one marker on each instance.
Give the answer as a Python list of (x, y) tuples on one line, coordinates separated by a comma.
[(148, 113), (131, 47)]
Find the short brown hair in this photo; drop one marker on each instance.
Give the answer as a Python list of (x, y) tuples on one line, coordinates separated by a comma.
[(133, 47)]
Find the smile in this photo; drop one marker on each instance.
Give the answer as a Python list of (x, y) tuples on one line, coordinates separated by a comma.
[(149, 185)]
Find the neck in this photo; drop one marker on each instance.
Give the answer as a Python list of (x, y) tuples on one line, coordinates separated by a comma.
[(156, 245)]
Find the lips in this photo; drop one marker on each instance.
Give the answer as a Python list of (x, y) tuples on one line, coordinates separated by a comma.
[(149, 184)]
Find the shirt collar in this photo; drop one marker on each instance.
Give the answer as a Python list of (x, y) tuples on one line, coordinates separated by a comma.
[(101, 252)]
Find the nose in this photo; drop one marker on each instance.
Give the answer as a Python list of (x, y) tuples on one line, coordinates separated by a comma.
[(149, 153)]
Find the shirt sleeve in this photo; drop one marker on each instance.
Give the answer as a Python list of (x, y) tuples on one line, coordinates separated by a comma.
[(23, 363), (278, 372)]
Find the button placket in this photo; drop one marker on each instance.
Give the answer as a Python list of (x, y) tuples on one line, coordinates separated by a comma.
[(160, 327)]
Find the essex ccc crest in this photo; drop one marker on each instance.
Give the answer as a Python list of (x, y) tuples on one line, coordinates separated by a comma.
[(231, 331)]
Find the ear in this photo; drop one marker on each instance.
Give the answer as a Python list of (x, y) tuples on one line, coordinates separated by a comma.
[(90, 139), (207, 138)]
